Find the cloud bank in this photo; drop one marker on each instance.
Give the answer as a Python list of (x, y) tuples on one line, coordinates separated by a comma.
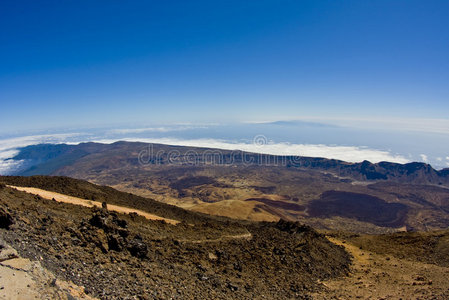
[(8, 147), (345, 153)]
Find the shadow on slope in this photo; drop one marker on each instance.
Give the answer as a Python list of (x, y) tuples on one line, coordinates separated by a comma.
[(362, 207)]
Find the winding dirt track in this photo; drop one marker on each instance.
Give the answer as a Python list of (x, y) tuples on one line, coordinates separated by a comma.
[(89, 203), (376, 276)]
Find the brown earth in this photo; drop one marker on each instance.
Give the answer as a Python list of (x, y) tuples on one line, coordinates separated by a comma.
[(297, 194), (383, 276), (236, 209), (113, 256), (425, 247)]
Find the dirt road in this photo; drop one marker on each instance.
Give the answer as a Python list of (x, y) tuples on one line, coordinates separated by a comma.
[(90, 203), (375, 276)]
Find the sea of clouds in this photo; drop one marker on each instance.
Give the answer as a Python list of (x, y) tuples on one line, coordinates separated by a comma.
[(10, 147), (305, 138)]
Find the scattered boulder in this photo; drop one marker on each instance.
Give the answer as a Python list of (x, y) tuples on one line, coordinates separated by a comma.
[(116, 242), (107, 221), (115, 232), (137, 247), (292, 227), (102, 241), (232, 287), (98, 220), (6, 219), (7, 252)]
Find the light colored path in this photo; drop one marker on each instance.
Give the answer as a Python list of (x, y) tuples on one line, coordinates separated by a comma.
[(375, 276), (90, 203)]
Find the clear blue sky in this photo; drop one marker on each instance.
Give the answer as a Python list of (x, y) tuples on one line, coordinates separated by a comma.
[(72, 63)]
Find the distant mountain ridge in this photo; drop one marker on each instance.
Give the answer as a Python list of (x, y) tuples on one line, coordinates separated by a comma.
[(46, 159)]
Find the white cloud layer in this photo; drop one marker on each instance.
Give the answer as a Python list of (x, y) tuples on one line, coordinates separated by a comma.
[(8, 148), (346, 153), (424, 158)]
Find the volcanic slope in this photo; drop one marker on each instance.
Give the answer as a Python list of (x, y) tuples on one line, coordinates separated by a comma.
[(113, 255), (103, 254)]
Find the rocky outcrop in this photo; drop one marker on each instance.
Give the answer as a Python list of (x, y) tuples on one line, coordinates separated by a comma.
[(5, 218), (112, 234)]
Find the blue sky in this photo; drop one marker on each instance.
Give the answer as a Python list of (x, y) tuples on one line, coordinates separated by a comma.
[(94, 63), (351, 80)]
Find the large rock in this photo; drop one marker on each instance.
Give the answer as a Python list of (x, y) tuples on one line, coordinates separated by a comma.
[(7, 252), (5, 218), (137, 247)]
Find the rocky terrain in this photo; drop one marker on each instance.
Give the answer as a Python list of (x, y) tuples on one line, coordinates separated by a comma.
[(383, 275), (122, 256), (22, 278), (60, 250)]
